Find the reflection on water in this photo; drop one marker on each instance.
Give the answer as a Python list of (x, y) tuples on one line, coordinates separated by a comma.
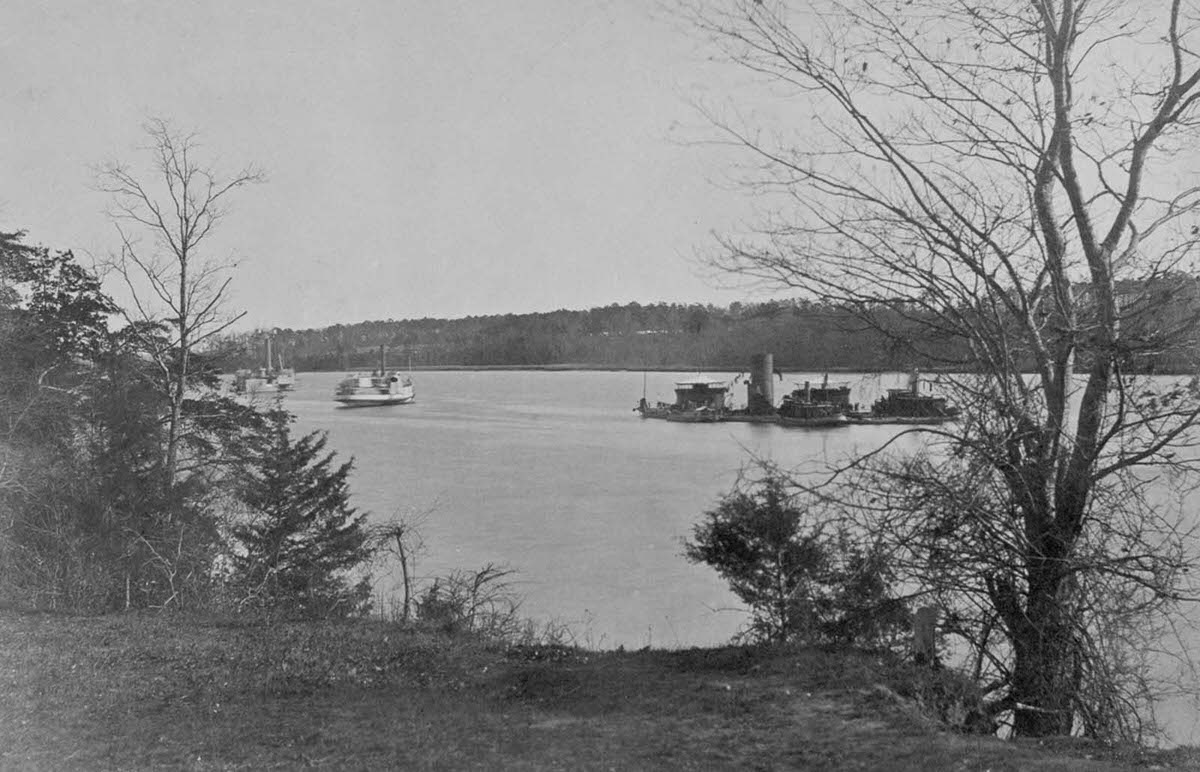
[(554, 474)]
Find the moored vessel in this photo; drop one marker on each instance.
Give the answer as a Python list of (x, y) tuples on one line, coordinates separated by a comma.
[(379, 387), (909, 406), (697, 400), (706, 400), (816, 406), (265, 379)]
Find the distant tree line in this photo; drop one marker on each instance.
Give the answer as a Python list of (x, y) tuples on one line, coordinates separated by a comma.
[(801, 334)]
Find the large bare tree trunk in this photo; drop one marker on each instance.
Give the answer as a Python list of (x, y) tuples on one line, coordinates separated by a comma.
[(978, 171)]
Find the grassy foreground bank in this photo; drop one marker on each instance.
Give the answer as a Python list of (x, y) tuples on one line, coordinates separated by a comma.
[(144, 692)]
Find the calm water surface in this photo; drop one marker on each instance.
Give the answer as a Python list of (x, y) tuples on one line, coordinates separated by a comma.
[(553, 474)]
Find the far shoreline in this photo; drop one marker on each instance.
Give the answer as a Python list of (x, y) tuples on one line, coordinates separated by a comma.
[(780, 369), (617, 369)]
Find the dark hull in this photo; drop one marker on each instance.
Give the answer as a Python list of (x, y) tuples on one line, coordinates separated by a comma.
[(693, 417), (903, 419), (820, 422), (710, 417), (375, 402), (751, 418)]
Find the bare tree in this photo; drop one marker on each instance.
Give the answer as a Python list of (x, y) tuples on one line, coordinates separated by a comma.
[(1006, 175), (177, 289), (401, 538)]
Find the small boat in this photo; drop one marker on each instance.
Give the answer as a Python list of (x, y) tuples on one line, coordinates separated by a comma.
[(697, 400), (909, 406), (379, 387), (265, 379)]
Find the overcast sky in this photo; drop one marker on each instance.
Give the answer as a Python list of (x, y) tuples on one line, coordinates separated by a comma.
[(441, 158)]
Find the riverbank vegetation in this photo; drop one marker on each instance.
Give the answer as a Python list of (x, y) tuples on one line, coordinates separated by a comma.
[(128, 478)]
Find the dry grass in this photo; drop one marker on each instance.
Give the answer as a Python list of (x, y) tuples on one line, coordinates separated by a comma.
[(145, 692)]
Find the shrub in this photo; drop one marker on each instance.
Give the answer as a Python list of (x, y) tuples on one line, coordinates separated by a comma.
[(480, 601), (803, 579)]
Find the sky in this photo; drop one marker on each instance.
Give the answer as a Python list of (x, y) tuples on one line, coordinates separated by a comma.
[(421, 159)]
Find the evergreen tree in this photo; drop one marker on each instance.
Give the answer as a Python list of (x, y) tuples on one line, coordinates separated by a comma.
[(774, 556), (301, 537), (804, 577)]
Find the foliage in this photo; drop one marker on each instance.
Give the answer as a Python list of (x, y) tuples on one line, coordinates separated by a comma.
[(93, 520), (115, 443), (803, 579), (57, 303), (52, 316), (54, 331), (300, 538), (93, 524)]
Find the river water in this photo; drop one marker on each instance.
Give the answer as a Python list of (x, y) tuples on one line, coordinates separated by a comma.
[(552, 474)]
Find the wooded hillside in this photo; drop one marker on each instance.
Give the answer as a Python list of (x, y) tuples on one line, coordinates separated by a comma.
[(802, 335)]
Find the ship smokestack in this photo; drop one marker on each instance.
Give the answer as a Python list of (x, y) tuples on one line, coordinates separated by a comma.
[(914, 383), (760, 392)]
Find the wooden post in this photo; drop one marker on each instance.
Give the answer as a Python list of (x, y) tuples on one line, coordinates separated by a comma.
[(925, 636)]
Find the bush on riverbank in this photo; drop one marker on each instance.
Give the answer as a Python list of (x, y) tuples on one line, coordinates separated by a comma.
[(804, 576)]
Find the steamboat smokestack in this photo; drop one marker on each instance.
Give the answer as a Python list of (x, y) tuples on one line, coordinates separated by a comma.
[(760, 392)]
